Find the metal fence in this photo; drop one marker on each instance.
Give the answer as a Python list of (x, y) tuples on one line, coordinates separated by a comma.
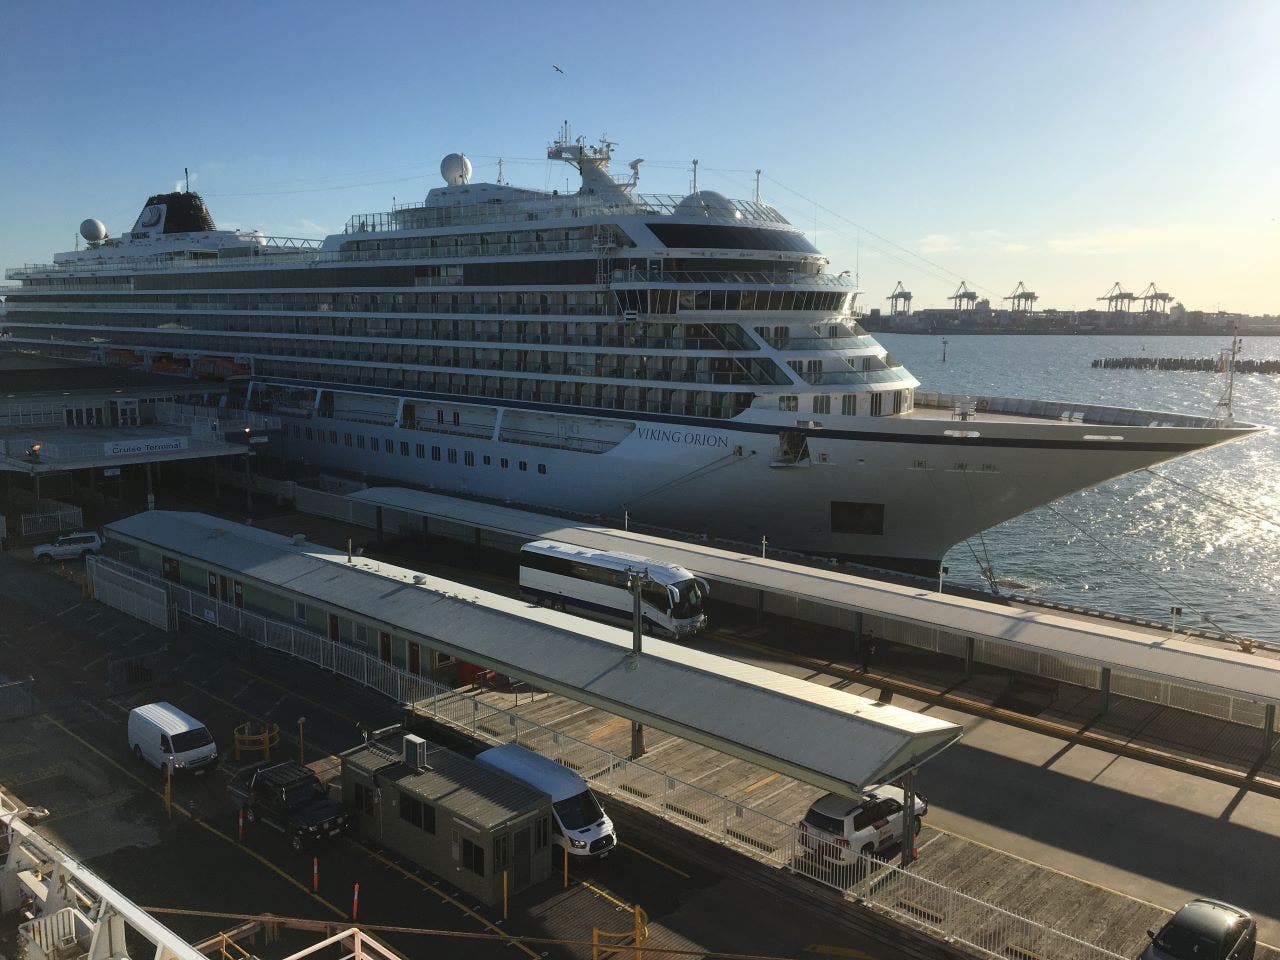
[(133, 592), (941, 910), (63, 517)]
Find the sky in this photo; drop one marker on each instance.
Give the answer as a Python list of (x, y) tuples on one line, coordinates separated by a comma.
[(1065, 145)]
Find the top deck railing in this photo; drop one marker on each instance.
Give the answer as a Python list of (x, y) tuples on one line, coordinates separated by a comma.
[(1059, 410), (556, 207)]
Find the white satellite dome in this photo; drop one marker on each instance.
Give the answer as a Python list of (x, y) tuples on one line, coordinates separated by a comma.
[(93, 230), (456, 169), (708, 203)]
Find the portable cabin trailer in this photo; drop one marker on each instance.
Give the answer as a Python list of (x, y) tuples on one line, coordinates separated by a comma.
[(463, 821)]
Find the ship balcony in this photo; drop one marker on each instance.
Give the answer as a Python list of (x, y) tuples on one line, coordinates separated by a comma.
[(896, 374), (736, 278)]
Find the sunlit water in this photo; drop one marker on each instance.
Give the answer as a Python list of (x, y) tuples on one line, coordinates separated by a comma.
[(1143, 545)]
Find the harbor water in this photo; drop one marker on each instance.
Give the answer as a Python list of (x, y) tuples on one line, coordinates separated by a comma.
[(1208, 542)]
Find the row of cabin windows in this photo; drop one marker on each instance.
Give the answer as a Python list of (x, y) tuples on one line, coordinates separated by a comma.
[(692, 403), (848, 403), (419, 449)]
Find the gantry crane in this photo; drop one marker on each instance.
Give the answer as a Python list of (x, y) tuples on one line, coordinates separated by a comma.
[(899, 301), (1154, 300), (1119, 300), (1022, 300), (964, 298)]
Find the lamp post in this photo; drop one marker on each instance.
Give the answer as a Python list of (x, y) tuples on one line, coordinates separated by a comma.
[(635, 581), (248, 473)]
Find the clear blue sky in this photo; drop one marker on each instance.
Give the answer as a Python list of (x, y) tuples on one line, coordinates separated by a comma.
[(1069, 145)]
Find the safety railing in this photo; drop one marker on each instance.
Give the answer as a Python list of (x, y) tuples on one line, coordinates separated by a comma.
[(992, 930)]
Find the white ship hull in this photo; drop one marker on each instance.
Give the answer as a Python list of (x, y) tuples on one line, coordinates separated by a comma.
[(723, 481)]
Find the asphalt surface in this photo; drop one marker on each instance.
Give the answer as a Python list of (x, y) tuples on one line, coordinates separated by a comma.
[(107, 808)]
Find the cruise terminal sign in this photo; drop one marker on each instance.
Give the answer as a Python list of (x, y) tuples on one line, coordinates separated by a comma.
[(124, 448)]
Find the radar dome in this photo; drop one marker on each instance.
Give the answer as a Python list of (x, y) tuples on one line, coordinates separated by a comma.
[(93, 230), (456, 169), (708, 203)]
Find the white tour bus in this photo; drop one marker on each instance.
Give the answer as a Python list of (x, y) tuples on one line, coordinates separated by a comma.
[(593, 582)]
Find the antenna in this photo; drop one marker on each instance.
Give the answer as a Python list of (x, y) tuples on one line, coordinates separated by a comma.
[(757, 195), (695, 177), (499, 171), (1227, 364), (186, 175)]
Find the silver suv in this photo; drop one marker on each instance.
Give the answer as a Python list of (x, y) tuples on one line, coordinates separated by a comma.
[(839, 830), (68, 547)]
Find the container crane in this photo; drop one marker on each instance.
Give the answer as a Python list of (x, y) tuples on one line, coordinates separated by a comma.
[(1155, 300), (1119, 300), (964, 298), (1022, 300), (899, 301)]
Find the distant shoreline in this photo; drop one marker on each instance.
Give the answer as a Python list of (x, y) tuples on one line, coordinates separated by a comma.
[(1065, 333)]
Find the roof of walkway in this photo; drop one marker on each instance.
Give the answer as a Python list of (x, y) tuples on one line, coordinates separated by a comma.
[(1100, 642), (830, 738)]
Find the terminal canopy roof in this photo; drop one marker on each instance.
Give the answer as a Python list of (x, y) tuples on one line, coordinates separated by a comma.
[(1103, 643), (830, 738)]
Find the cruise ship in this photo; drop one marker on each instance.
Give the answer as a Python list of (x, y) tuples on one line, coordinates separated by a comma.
[(687, 362)]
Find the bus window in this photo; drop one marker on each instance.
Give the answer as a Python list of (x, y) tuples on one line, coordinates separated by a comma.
[(655, 594), (689, 595)]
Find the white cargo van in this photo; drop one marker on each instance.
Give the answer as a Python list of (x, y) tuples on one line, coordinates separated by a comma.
[(160, 732), (580, 824)]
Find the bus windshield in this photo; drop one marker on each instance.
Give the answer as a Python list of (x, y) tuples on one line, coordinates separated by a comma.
[(688, 599)]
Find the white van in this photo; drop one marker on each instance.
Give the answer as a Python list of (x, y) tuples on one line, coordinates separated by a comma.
[(160, 732), (580, 824)]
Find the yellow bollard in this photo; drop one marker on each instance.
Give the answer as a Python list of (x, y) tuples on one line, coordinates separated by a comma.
[(504, 895)]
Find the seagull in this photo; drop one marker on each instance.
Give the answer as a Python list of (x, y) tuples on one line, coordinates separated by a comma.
[(556, 69)]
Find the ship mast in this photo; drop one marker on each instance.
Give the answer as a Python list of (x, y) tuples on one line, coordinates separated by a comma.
[(1227, 364)]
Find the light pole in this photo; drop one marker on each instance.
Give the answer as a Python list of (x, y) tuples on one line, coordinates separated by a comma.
[(248, 473), (942, 572), (302, 753), (635, 581)]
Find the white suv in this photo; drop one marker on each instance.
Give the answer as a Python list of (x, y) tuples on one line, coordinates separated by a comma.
[(839, 830), (68, 547)]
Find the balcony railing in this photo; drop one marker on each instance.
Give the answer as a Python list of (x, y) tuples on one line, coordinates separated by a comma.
[(892, 375), (552, 207)]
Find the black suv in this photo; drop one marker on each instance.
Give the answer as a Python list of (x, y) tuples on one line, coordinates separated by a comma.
[(288, 797)]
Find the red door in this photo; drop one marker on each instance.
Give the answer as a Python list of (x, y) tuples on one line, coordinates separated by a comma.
[(333, 627)]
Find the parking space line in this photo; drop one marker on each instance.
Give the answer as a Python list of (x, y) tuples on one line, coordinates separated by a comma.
[(606, 895), (487, 924), (198, 820), (616, 725), (649, 856), (294, 693), (763, 781)]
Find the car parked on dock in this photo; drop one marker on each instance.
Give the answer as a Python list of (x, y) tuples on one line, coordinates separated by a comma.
[(68, 547), (840, 829), (288, 797), (1205, 930)]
